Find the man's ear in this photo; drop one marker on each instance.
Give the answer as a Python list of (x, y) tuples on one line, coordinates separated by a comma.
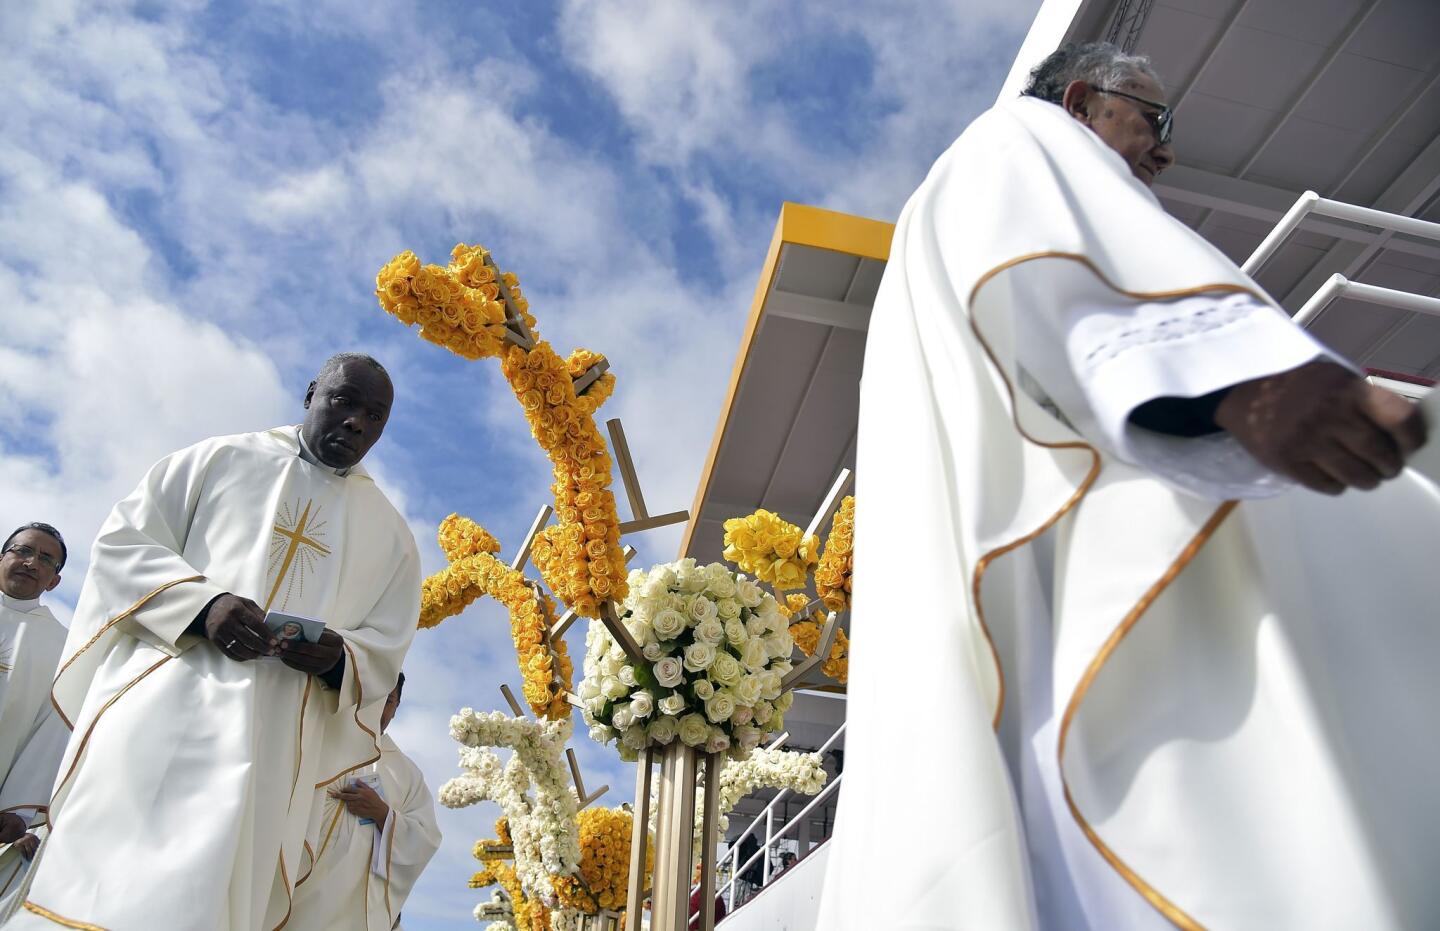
[(53, 582), (310, 393), (1076, 101)]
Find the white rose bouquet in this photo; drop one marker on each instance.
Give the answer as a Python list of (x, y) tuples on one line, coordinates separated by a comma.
[(715, 647)]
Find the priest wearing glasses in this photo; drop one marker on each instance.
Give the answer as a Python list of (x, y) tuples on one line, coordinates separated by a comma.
[(198, 737), (1172, 677), (31, 735)]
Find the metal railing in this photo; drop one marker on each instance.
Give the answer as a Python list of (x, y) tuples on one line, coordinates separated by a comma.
[(772, 837), (1338, 286)]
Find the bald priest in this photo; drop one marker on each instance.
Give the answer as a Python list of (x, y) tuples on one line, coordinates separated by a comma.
[(197, 736)]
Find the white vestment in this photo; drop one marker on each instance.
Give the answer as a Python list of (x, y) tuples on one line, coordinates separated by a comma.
[(187, 784), (360, 876), (32, 738), (1173, 709)]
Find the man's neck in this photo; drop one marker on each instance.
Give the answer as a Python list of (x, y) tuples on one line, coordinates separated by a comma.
[(309, 456), (22, 605)]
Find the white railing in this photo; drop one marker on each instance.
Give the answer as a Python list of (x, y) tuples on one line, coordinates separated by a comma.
[(1312, 203), (772, 837), (1338, 286)]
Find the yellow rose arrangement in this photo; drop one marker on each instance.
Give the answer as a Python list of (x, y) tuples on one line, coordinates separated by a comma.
[(461, 307), (530, 914), (580, 556), (771, 548), (604, 862), (832, 576), (544, 662), (806, 634)]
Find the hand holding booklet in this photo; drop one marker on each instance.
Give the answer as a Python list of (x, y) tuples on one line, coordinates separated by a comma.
[(293, 627)]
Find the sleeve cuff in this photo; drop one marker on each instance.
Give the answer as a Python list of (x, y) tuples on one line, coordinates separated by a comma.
[(163, 618)]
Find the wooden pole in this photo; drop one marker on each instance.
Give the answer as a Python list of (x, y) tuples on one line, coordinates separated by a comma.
[(523, 554), (675, 839), (639, 841), (709, 825), (626, 465)]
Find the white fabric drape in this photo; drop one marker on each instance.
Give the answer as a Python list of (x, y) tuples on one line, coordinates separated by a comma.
[(182, 758), (1150, 717)]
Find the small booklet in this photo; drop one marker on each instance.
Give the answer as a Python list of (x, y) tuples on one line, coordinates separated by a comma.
[(1426, 459), (294, 627)]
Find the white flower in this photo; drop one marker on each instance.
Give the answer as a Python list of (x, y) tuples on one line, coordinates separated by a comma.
[(716, 571), (662, 730), (634, 737), (668, 624), (764, 711), (693, 730), (627, 676), (669, 672), (722, 586), (673, 704), (652, 650), (770, 684), (744, 714), (747, 738), (602, 734), (612, 688), (703, 609), (588, 689), (698, 657), (747, 692), (735, 633), (727, 608), (717, 742), (757, 626), (622, 717), (783, 703), (726, 669), (755, 655), (780, 644), (610, 664), (703, 689), (748, 592), (720, 706), (692, 579), (711, 632), (641, 703)]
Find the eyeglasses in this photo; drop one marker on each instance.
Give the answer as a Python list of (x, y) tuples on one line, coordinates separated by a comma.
[(26, 553), (1163, 123)]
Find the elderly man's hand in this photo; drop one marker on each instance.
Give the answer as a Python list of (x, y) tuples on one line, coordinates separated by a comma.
[(313, 658), (1323, 426), (12, 827), (27, 846)]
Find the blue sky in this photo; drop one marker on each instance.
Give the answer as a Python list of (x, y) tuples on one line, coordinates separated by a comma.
[(195, 197)]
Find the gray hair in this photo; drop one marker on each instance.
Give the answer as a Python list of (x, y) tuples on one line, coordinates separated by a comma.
[(338, 361), (1099, 64)]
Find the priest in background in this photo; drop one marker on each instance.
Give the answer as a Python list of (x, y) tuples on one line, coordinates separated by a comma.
[(1121, 697), (198, 738), (31, 735), (370, 847)]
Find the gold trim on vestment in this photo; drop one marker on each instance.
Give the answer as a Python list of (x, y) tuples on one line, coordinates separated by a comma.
[(85, 740), (289, 892), (300, 738), (1166, 908), (389, 858), (311, 851), (359, 702), (1163, 905), (101, 632), (44, 912)]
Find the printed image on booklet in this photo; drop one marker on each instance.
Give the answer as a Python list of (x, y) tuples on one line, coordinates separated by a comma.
[(294, 627)]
